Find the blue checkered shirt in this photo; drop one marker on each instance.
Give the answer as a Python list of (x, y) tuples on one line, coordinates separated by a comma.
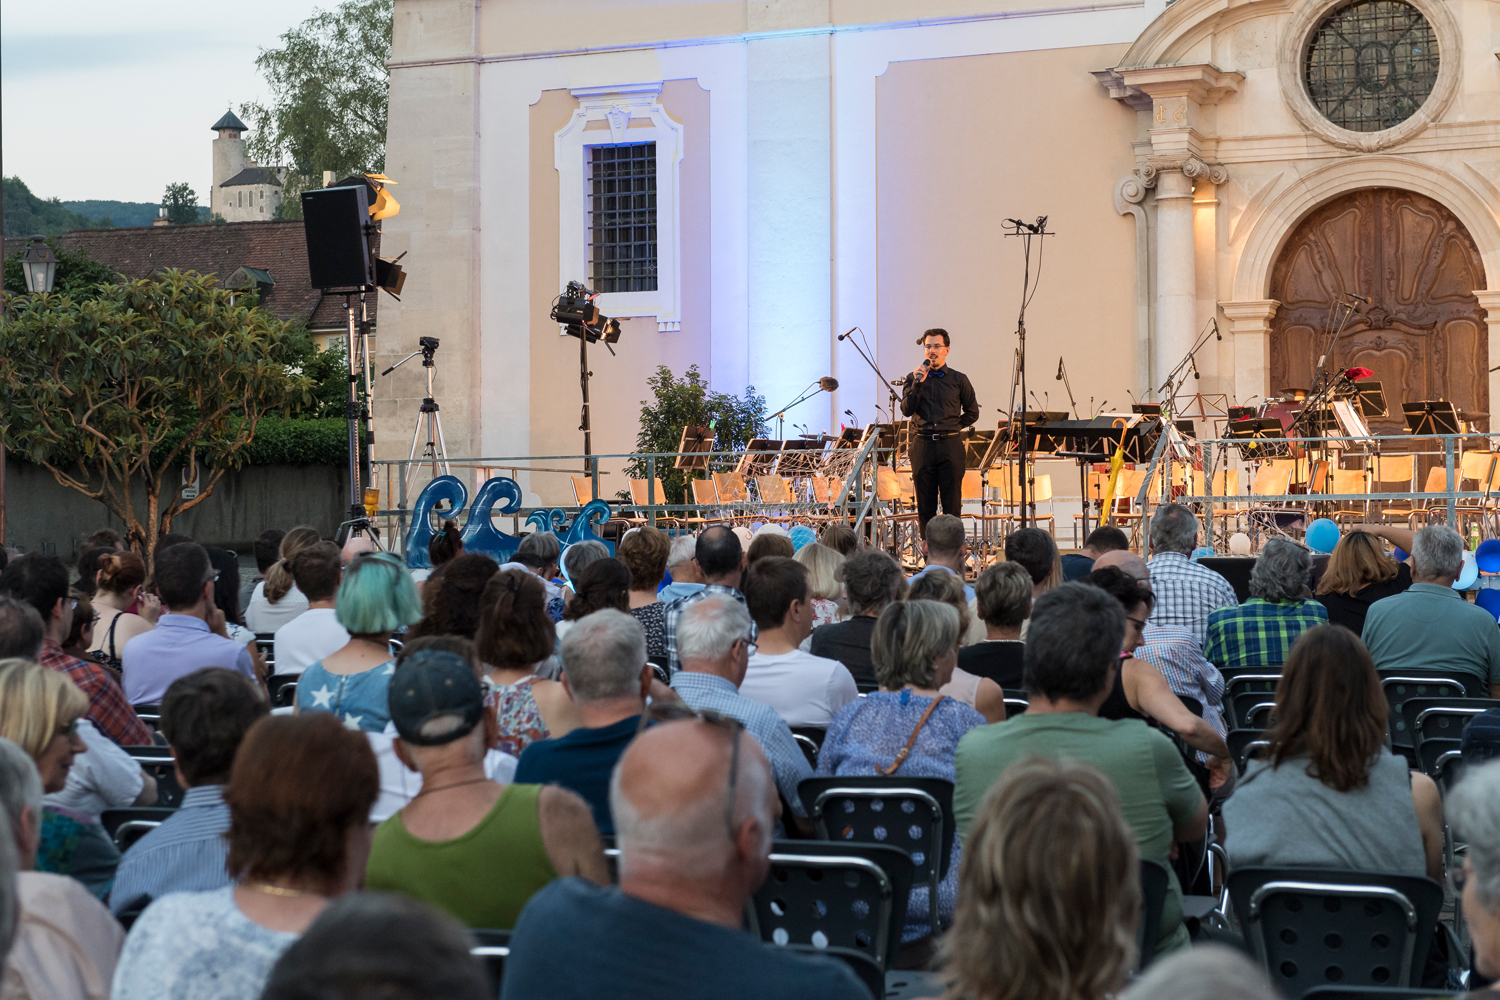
[(710, 692), (1259, 633), (1173, 651), (185, 854), (673, 614), (1186, 593)]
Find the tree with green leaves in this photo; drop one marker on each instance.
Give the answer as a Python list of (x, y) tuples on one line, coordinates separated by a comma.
[(127, 393), (689, 402), (77, 272), (181, 203), (329, 87)]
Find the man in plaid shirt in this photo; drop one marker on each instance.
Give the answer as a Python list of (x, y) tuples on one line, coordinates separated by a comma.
[(1260, 632), (1185, 591), (42, 582), (722, 561)]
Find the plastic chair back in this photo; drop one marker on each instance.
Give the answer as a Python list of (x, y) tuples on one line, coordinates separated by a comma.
[(1431, 751), (126, 826), (834, 895), (1243, 706), (492, 948), (1245, 744), (1262, 683), (1399, 688), (1313, 927), (704, 493), (731, 487), (159, 763), (283, 689), (1450, 770), (1373, 993), (1442, 718), (1154, 883)]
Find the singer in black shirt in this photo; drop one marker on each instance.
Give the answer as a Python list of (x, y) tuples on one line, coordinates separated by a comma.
[(940, 403)]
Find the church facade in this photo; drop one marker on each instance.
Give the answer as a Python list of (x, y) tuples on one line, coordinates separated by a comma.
[(744, 182)]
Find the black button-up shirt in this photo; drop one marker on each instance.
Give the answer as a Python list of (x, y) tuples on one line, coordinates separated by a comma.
[(939, 405)]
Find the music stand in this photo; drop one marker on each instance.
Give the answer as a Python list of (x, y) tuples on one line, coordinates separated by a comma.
[(1430, 416), (850, 438), (1263, 437), (991, 453), (1146, 409), (801, 456), (695, 445), (1240, 413), (759, 465), (977, 445)]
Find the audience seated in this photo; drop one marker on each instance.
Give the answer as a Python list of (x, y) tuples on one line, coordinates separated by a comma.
[(1049, 893), (1003, 600), (367, 945), (946, 548), (1100, 540), (805, 690), (840, 538), (539, 553), (81, 634), (872, 580), (442, 548), (603, 583), (606, 674), (721, 560), (575, 559), (468, 845), (682, 565), (1260, 632), (907, 728), (451, 596), (979, 693), (226, 564), (316, 633), (1141, 692), (266, 550), (190, 635), (1186, 593), (65, 943), (204, 718), (299, 798), (1481, 738), (1328, 794), (1072, 654), (1359, 573), (276, 600), (1204, 972), (42, 582), (644, 551), (673, 927), (516, 634), (1036, 552), (376, 598), (1125, 561), (20, 630), (121, 577), (769, 541), (1474, 814), (827, 590), (716, 636), (1431, 626)]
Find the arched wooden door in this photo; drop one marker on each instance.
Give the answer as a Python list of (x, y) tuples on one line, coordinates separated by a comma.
[(1423, 333)]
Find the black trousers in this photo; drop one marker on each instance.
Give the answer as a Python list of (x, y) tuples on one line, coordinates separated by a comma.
[(937, 467)]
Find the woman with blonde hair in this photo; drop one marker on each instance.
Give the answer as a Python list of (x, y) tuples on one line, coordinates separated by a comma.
[(1359, 573), (979, 693), (118, 585), (824, 586), (276, 600), (1049, 891)]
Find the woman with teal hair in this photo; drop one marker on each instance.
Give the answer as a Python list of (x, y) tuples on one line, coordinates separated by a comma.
[(376, 598)]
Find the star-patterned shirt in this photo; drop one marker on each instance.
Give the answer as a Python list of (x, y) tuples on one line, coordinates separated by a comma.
[(359, 700)]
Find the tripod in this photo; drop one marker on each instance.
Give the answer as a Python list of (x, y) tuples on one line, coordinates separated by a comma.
[(357, 413), (435, 450), (1025, 230), (890, 386)]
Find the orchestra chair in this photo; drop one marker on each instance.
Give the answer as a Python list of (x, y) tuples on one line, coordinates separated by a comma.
[(1226, 483), (1477, 469), (583, 492), (772, 490), (639, 497), (707, 499), (1127, 490), (733, 491), (894, 491), (1348, 481), (1088, 517), (1008, 482), (1273, 478), (1425, 510), (1394, 474)]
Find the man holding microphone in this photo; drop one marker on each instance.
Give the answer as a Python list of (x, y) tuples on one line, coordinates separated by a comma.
[(940, 403)]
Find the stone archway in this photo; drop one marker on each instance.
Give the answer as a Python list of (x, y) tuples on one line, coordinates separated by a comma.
[(1423, 333)]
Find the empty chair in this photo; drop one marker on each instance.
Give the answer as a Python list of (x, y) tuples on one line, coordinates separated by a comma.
[(126, 826)]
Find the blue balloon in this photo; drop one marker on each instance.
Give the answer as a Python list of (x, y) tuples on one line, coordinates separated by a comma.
[(1469, 574), (1401, 554), (1201, 551), (1488, 556), (802, 535), (1322, 535), (1489, 600)]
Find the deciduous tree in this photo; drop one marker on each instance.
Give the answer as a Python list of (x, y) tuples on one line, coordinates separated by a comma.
[(689, 402)]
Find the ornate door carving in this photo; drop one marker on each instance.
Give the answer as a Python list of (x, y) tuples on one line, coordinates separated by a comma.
[(1423, 333)]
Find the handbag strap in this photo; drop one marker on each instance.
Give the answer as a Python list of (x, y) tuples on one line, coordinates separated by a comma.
[(911, 741)]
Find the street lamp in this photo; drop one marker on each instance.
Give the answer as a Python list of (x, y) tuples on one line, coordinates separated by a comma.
[(39, 265)]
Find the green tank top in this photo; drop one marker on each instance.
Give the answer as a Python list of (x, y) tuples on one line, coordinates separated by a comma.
[(483, 877)]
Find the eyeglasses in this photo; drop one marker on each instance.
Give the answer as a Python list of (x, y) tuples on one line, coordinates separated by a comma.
[(750, 647), (69, 730), (1140, 622), (73, 604)]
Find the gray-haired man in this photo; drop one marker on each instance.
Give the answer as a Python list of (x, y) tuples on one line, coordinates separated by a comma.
[(1185, 591)]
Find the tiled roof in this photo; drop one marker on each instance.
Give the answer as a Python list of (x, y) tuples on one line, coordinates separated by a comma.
[(229, 121), (221, 249), (253, 175)]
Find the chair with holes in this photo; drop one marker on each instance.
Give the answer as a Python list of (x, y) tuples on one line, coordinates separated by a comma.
[(1448, 770), (1155, 881), (915, 814), (1431, 751), (1399, 689), (1441, 718), (1238, 680), (126, 826), (492, 948), (1313, 927), (1373, 993), (161, 765), (1243, 707), (283, 689), (821, 895), (1245, 744)]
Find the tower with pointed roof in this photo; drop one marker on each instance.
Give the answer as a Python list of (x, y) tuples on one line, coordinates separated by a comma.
[(242, 191), (229, 153)]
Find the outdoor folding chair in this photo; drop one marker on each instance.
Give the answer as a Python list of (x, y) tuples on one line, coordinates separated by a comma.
[(159, 763), (1154, 883), (1395, 474), (1374, 993), (1436, 482), (267, 643), (283, 689), (1313, 927), (492, 948), (1349, 481), (1441, 718), (1473, 686), (706, 497), (1257, 679), (1450, 770), (834, 895), (149, 714), (809, 748), (1245, 744), (1016, 702), (915, 814), (639, 496), (1398, 690), (126, 826), (1244, 706), (1430, 752)]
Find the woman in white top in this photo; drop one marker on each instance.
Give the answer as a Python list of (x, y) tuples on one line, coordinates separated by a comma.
[(276, 600), (121, 576)]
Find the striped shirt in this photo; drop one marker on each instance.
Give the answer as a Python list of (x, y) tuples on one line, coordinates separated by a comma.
[(712, 693), (186, 853), (1186, 592), (1173, 651), (673, 614), (1259, 633)]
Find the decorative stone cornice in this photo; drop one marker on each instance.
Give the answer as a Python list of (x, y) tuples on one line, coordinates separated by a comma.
[(1200, 83)]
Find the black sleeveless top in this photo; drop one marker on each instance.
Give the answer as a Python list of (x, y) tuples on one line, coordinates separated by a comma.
[(1117, 706)]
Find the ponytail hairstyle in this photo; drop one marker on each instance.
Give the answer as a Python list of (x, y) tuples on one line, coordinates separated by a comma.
[(514, 630), (445, 545), (279, 580), (119, 571)]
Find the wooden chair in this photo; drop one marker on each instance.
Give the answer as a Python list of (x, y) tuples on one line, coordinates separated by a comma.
[(1127, 489), (1394, 474), (1226, 483), (1273, 478), (1437, 482), (1088, 517), (583, 492), (1348, 481), (1480, 471), (1008, 482), (894, 489), (639, 497), (706, 496)]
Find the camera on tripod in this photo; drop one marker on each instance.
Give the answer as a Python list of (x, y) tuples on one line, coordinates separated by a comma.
[(429, 346)]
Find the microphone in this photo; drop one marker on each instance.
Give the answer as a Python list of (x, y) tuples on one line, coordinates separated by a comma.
[(1015, 222), (1128, 393), (1355, 295), (1194, 362), (1059, 370), (1217, 334), (847, 332), (828, 383), (926, 362)]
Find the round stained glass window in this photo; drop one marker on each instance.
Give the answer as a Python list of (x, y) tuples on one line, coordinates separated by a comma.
[(1371, 64)]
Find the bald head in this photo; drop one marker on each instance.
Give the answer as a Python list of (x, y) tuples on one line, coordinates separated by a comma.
[(354, 546), (1125, 561)]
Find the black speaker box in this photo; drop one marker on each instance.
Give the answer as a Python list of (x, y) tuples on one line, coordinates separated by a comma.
[(1235, 569), (338, 255)]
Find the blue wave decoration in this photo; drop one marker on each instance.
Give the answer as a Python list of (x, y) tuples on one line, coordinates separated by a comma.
[(449, 488)]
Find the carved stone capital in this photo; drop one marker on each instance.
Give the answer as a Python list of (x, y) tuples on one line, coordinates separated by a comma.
[(1190, 166)]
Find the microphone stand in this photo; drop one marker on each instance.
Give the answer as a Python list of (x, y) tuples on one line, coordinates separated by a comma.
[(1026, 230), (890, 386), (807, 394)]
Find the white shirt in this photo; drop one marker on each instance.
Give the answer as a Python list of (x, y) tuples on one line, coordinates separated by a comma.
[(263, 616), (805, 690), (66, 942), (308, 638), (105, 777), (399, 784)]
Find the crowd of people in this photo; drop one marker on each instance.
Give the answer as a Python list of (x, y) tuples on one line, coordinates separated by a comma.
[(595, 748)]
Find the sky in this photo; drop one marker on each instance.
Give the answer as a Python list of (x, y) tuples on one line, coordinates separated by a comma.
[(113, 99)]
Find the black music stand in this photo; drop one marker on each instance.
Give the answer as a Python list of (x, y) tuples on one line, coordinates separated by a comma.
[(695, 446), (1034, 423), (1370, 398), (759, 465), (801, 456), (850, 438), (1146, 409), (1431, 416), (1262, 437), (978, 445)]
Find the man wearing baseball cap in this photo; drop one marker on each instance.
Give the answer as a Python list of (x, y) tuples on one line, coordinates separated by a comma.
[(474, 847)]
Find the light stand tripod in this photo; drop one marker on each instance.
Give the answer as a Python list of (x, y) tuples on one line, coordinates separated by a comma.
[(357, 413), (435, 449), (1026, 230)]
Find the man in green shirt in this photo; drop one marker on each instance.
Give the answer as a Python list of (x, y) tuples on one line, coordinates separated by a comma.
[(1072, 654)]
